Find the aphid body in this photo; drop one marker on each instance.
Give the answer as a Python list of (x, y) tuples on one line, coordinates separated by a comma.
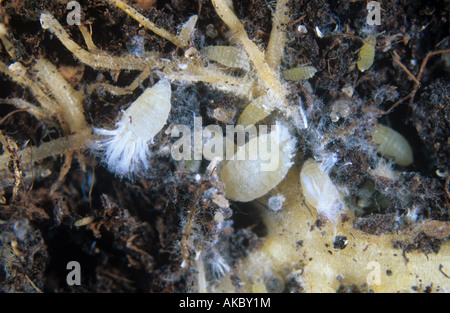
[(299, 73), (319, 191), (257, 110), (229, 56), (245, 180), (125, 149), (70, 100), (367, 53), (275, 203), (392, 144)]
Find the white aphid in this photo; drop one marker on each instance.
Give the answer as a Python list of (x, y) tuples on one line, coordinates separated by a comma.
[(392, 144), (125, 149), (246, 180), (318, 32), (319, 191)]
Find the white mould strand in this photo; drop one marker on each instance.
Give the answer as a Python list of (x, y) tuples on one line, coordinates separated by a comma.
[(125, 149), (319, 191), (392, 144)]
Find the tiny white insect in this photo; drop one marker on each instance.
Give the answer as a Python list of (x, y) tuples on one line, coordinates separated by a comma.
[(318, 32), (125, 149), (319, 191)]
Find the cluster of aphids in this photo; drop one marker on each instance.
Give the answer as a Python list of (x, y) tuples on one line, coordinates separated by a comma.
[(363, 159)]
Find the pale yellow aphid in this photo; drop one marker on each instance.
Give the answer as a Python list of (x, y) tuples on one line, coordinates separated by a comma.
[(228, 56), (9, 46), (257, 110), (187, 30), (319, 191), (393, 145), (277, 40), (299, 73), (245, 180), (367, 53), (69, 99), (84, 221)]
